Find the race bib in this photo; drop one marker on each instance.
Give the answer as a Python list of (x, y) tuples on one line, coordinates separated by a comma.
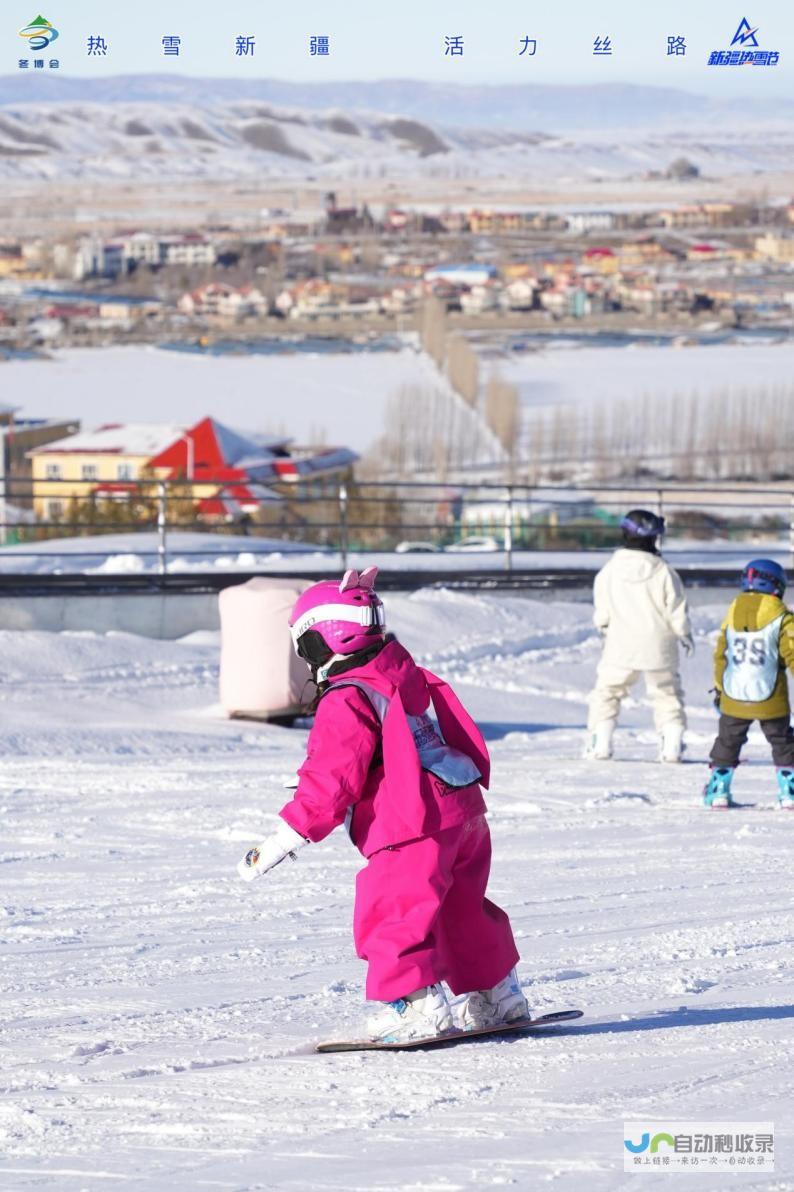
[(752, 662)]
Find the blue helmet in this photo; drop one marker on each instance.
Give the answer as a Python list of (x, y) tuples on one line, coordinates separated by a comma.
[(764, 575)]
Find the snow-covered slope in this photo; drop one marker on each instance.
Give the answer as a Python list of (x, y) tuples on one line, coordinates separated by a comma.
[(158, 1015), (221, 139), (341, 397)]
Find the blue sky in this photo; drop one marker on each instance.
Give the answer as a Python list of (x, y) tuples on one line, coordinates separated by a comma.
[(371, 40)]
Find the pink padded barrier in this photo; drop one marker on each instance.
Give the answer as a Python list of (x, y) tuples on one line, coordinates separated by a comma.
[(260, 675)]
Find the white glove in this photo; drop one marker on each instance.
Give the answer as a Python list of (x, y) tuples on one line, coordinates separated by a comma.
[(284, 842), (687, 645)]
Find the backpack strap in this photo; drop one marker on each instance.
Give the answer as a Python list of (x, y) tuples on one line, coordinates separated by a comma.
[(379, 701)]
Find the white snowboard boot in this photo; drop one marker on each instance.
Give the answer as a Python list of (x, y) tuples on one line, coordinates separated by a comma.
[(490, 1007), (672, 743), (419, 1016), (599, 742)]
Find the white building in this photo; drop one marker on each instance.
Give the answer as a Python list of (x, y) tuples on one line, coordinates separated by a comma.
[(590, 221), (462, 275), (191, 250), (221, 301), (143, 248), (100, 258)]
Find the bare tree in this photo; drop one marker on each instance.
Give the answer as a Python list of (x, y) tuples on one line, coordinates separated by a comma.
[(433, 329), (463, 369), (427, 430), (503, 415)]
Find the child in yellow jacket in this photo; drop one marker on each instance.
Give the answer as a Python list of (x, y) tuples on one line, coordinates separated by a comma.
[(754, 650)]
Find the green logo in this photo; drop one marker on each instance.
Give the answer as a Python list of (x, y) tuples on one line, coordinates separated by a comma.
[(39, 33)]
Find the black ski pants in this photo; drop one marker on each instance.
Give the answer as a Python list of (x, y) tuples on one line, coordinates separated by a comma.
[(733, 732)]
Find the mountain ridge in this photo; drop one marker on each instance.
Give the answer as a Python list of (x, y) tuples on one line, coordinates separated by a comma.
[(543, 107)]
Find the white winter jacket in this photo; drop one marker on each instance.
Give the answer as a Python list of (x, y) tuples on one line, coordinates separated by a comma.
[(641, 607)]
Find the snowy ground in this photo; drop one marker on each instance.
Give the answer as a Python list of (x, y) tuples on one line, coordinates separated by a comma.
[(562, 375), (158, 1014), (343, 399), (339, 399), (136, 553)]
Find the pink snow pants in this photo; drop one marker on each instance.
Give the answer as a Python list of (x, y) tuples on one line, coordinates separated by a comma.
[(421, 916)]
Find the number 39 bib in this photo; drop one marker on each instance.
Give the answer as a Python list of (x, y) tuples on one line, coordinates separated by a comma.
[(752, 662)]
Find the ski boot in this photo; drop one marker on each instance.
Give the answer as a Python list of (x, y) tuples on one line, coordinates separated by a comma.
[(785, 789), (599, 742), (490, 1007), (672, 743), (421, 1015), (717, 791)]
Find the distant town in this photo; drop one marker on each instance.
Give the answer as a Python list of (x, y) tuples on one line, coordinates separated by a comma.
[(360, 269), (374, 275)]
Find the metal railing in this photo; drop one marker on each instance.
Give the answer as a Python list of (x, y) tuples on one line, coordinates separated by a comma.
[(509, 522)]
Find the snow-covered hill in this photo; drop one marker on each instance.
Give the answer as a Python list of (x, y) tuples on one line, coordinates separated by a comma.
[(219, 138)]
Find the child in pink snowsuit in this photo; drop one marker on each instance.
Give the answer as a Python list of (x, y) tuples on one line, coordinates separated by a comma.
[(409, 793)]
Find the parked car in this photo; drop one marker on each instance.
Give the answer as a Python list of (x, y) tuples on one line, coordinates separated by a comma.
[(474, 543), (412, 548)]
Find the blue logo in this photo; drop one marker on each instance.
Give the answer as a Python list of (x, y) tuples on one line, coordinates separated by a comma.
[(743, 50), (646, 1141), (744, 35)]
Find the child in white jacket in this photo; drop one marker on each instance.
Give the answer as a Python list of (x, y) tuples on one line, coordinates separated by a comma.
[(641, 611)]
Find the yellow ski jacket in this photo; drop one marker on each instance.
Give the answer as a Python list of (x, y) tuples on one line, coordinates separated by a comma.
[(754, 649)]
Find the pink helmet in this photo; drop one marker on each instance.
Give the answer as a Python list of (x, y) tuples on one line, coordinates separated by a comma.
[(346, 617)]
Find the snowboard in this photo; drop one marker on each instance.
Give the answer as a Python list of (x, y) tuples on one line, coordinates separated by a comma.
[(511, 1028)]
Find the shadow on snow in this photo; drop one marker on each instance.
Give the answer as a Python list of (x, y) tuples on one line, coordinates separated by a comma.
[(685, 1016)]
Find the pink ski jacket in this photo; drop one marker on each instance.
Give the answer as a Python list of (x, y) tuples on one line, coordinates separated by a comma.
[(376, 759)]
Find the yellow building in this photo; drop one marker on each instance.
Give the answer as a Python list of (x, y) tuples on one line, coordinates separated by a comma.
[(775, 248), (12, 263), (514, 270), (603, 260), (107, 461), (23, 262), (483, 222)]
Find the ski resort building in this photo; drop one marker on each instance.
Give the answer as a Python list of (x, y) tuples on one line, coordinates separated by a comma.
[(229, 474), (105, 462), (222, 473)]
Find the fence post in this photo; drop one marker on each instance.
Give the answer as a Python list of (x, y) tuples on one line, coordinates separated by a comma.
[(3, 505), (162, 558), (509, 529), (343, 524)]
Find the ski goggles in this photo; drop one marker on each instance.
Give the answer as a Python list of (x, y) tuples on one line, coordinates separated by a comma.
[(368, 616), (650, 529)]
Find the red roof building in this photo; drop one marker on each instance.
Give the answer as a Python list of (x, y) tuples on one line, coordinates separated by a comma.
[(231, 473)]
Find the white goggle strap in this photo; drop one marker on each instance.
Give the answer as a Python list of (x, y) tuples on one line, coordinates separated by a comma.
[(365, 616)]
